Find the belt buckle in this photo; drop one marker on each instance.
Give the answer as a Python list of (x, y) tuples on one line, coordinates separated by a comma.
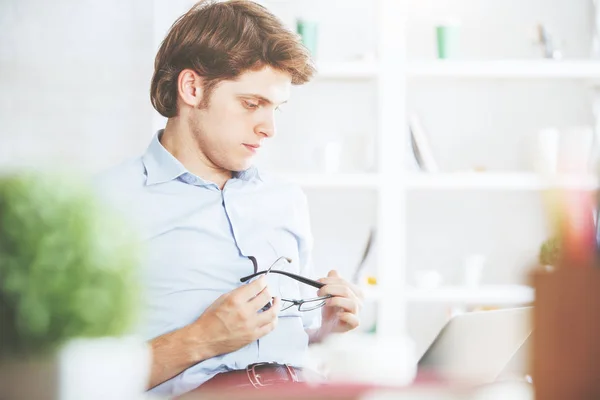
[(255, 379)]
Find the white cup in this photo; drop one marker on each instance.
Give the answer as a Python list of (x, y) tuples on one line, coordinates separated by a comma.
[(575, 149), (546, 155), (332, 157), (474, 265)]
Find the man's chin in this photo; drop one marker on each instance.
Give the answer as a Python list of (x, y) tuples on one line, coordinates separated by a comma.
[(241, 166)]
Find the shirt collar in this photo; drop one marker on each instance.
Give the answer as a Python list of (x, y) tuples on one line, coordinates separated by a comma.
[(248, 175), (162, 167)]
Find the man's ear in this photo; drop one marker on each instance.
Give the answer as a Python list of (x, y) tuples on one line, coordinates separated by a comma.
[(189, 87)]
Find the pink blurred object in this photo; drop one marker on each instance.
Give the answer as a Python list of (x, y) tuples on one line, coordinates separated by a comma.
[(572, 217)]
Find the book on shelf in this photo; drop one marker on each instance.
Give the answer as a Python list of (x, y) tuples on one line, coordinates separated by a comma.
[(411, 163), (420, 146), (362, 264)]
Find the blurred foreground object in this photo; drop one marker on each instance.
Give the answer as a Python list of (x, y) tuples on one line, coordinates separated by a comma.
[(566, 349), (361, 358), (68, 294)]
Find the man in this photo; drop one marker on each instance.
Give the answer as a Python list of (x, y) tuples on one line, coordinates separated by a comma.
[(209, 218)]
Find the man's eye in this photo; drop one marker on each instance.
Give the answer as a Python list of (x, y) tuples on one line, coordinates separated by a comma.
[(250, 105)]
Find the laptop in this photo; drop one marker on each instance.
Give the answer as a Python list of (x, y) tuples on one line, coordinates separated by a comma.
[(480, 347)]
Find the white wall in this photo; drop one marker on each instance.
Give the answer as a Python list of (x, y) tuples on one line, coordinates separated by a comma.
[(74, 81)]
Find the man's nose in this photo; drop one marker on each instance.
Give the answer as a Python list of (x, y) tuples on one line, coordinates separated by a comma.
[(267, 125)]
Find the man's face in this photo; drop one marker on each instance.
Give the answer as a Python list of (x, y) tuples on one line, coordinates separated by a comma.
[(239, 117)]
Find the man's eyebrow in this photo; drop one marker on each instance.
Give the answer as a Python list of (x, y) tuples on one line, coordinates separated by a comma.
[(259, 97)]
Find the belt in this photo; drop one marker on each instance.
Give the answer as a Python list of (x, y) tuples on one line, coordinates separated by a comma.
[(255, 376)]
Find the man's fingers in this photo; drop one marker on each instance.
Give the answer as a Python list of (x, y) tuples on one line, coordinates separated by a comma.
[(260, 300), (331, 280), (339, 281), (337, 290), (348, 305), (250, 290), (266, 317), (267, 321), (350, 319)]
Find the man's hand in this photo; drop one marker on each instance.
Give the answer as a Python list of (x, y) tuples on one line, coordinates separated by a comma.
[(340, 313), (233, 320), (228, 324)]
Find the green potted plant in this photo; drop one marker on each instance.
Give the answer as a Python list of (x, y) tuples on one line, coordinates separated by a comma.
[(68, 293)]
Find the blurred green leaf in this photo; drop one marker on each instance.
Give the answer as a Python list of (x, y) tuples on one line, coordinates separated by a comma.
[(68, 265), (550, 251)]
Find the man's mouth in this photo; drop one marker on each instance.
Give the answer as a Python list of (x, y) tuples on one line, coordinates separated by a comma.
[(252, 147)]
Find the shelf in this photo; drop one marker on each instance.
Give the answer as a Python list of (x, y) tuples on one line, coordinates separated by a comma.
[(490, 69), (448, 181), (329, 180), (487, 295), (509, 69), (347, 70), (499, 181)]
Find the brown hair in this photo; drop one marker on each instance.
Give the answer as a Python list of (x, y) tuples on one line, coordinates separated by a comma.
[(221, 41)]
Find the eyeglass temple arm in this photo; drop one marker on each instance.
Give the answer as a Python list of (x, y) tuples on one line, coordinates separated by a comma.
[(254, 263), (302, 279)]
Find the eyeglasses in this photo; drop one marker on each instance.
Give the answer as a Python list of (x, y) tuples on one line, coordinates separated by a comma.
[(304, 304)]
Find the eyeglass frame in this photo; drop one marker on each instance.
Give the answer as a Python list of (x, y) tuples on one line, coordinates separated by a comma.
[(299, 278)]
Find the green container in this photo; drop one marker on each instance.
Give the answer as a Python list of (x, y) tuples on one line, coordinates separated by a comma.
[(309, 32), (448, 41)]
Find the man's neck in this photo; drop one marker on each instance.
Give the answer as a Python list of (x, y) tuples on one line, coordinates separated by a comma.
[(178, 140)]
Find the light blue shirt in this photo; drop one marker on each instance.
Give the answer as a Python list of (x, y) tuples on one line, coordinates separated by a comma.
[(197, 239)]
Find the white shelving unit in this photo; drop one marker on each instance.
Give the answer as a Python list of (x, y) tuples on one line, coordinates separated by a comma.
[(484, 69), (391, 144), (506, 69), (499, 181), (350, 180), (392, 72), (449, 181), (347, 70), (486, 295)]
